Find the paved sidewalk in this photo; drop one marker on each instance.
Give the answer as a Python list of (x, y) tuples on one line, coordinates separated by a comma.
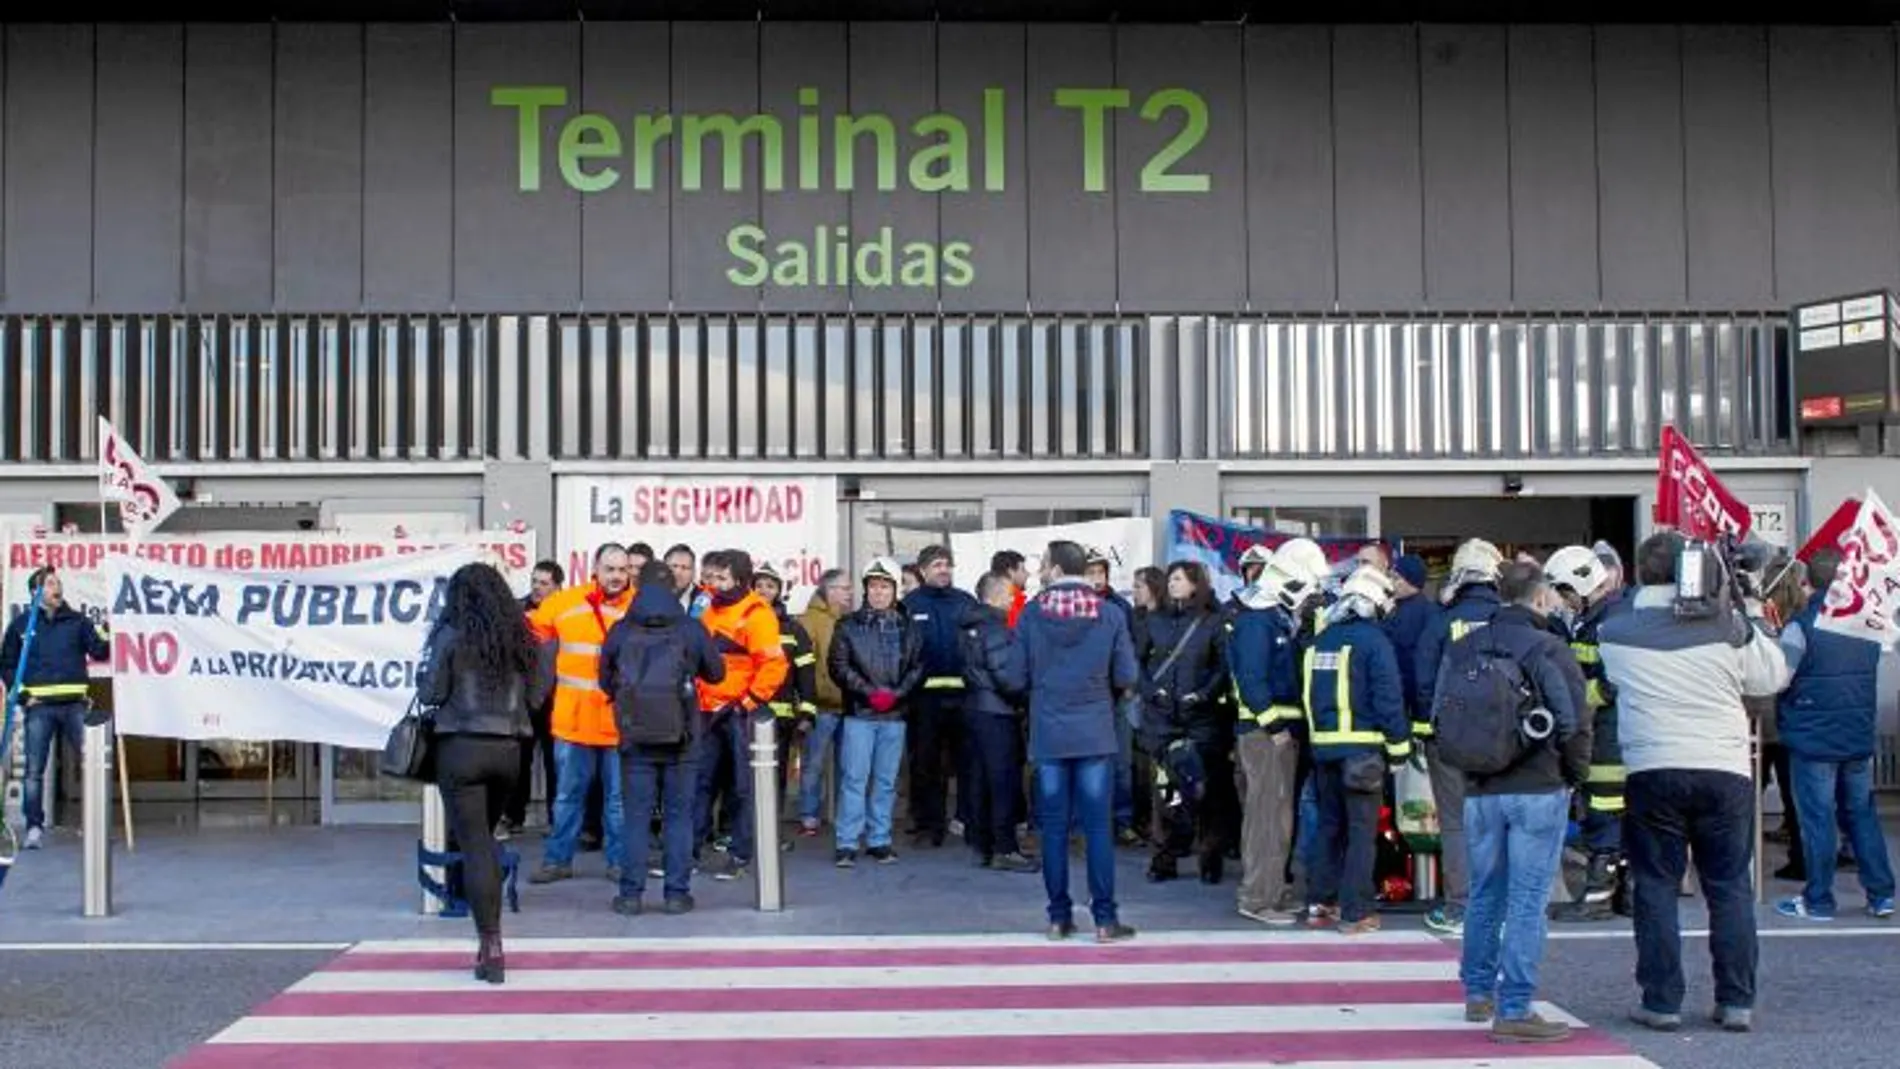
[(341, 885)]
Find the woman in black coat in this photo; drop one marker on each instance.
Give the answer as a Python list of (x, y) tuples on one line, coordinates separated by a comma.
[(480, 675), (1183, 673)]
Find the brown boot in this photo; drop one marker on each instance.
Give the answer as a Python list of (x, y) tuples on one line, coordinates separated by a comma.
[(1532, 1029)]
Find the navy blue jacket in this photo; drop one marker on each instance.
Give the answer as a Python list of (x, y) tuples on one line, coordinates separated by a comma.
[(1829, 709), (936, 614), (1406, 627), (62, 644), (995, 673), (1375, 722), (1079, 658), (1472, 605), (1263, 656), (1549, 667)]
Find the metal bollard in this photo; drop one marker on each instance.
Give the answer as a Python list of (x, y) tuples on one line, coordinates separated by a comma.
[(435, 838), (1424, 876), (96, 819), (766, 862)]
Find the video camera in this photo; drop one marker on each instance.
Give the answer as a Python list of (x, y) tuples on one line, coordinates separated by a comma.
[(1717, 578)]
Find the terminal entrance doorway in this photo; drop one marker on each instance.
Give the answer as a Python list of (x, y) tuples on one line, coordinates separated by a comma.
[(1432, 527)]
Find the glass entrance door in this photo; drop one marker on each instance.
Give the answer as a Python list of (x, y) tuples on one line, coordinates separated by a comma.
[(353, 789)]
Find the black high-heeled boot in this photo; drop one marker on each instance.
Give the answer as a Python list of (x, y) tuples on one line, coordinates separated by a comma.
[(490, 964)]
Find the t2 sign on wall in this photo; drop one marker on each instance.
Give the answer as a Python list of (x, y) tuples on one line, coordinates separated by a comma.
[(938, 153), (1771, 524)]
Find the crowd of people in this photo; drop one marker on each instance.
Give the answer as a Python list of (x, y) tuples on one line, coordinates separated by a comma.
[(1545, 701), (1548, 702)]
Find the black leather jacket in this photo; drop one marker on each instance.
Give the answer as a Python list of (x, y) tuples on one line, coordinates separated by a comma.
[(467, 701), (873, 651)]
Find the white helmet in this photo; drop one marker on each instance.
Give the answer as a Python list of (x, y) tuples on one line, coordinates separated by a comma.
[(883, 568), (1304, 557), (1294, 572), (1256, 556), (1372, 584), (1476, 561), (1577, 568)]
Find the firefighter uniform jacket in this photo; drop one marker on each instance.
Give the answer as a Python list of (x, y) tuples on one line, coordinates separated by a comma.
[(1263, 656), (797, 696), (1354, 694), (1603, 789)]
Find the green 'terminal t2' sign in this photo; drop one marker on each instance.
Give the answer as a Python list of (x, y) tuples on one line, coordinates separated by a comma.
[(937, 153)]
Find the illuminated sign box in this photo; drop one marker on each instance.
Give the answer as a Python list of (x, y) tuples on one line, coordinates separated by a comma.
[(1847, 360)]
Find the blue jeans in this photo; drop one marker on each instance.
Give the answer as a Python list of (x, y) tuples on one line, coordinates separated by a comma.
[(579, 765), (1068, 790), (821, 747), (44, 722), (868, 760), (1672, 812), (671, 780), (728, 737), (1515, 843), (1823, 792)]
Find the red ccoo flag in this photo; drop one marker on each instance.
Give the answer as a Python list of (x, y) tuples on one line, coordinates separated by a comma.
[(1690, 498)]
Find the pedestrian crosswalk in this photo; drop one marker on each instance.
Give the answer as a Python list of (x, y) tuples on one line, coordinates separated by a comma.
[(1179, 999)]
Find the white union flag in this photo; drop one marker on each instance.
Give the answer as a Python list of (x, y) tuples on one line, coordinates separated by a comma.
[(1863, 599), (144, 499)]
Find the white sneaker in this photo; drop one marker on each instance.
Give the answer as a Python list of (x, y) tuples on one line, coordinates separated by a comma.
[(33, 837)]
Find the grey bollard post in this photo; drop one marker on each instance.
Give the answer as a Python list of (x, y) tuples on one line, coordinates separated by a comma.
[(766, 862), (1424, 876), (96, 819), (435, 837)]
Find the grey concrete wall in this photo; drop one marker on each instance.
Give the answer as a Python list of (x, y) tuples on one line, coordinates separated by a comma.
[(336, 168)]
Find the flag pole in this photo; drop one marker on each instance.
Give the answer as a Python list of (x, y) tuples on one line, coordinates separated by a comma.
[(118, 740)]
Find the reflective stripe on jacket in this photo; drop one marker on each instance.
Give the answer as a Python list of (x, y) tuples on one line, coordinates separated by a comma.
[(1353, 691), (582, 715)]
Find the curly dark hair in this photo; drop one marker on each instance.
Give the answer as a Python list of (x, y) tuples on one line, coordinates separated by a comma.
[(492, 631)]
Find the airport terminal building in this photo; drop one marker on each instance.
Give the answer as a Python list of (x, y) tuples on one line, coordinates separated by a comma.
[(1421, 276)]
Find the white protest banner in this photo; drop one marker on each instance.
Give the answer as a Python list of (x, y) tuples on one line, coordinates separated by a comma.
[(791, 521), (81, 560), (1129, 544), (1864, 597), (325, 656)]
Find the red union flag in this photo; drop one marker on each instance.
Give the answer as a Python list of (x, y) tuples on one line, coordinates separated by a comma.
[(144, 499), (1828, 535), (1864, 596), (1690, 498)]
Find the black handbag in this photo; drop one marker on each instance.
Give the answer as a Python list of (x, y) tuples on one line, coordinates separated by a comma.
[(410, 752), (1364, 773)]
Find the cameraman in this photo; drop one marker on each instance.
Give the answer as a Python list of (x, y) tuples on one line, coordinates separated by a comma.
[(1681, 672)]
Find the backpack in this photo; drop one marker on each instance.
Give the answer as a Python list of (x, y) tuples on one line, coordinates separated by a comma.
[(653, 695), (1478, 714)]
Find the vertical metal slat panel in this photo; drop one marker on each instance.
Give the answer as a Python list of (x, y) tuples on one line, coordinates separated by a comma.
[(569, 390)]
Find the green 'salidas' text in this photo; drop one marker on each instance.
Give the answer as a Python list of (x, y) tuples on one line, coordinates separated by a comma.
[(807, 151)]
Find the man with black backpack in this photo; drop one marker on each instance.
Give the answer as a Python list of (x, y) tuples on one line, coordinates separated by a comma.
[(1508, 715), (1471, 599), (647, 667)]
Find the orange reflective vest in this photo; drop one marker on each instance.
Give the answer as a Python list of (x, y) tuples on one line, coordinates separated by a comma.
[(577, 620), (746, 634)]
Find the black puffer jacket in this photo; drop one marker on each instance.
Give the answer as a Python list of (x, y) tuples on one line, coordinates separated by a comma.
[(995, 667), (469, 701), (873, 651), (1180, 697)]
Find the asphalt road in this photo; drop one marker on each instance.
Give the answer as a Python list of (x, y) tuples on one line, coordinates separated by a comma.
[(1825, 1002)]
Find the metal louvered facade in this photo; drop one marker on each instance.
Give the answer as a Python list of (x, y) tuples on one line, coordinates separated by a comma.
[(725, 387)]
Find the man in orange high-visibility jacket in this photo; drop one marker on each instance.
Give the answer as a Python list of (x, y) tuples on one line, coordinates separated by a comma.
[(586, 743), (745, 631)]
